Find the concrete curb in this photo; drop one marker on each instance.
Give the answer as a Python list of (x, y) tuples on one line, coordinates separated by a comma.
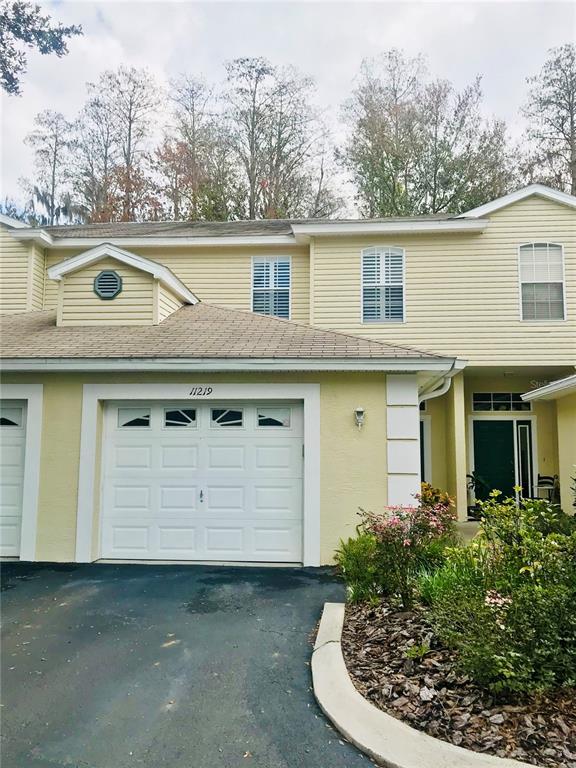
[(389, 741)]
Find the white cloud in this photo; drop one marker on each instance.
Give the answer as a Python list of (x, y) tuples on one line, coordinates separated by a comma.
[(504, 41)]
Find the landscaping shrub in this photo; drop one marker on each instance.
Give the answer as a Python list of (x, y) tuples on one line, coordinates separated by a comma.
[(356, 559), (506, 601), (394, 546)]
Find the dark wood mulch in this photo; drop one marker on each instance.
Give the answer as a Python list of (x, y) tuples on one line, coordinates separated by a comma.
[(429, 693)]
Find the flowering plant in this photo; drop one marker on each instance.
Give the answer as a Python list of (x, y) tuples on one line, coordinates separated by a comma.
[(407, 538)]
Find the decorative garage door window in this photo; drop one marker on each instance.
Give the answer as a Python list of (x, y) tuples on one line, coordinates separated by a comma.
[(10, 417), (108, 284), (273, 417), (499, 401), (226, 417), (133, 417), (180, 417)]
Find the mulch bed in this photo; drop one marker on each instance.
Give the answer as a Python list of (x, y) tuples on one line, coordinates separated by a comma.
[(430, 694)]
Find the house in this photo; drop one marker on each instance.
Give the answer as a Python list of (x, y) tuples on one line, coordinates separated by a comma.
[(235, 391)]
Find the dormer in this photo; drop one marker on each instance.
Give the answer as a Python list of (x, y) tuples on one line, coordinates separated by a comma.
[(109, 286)]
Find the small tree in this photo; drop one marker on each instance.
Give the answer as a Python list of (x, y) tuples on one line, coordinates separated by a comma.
[(22, 26)]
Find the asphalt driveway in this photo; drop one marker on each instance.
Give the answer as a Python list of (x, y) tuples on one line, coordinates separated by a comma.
[(107, 666)]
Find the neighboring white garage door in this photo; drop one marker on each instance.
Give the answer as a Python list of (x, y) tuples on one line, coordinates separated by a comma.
[(218, 481), (12, 452)]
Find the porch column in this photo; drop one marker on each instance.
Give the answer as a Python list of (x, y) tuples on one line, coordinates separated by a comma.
[(456, 446), (403, 438)]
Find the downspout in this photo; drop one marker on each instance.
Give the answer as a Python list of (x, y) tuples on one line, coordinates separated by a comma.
[(445, 383)]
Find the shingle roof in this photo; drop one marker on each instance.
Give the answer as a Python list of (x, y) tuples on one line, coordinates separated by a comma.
[(261, 227), (192, 332)]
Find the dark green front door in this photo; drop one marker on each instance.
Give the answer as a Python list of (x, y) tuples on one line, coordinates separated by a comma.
[(494, 457)]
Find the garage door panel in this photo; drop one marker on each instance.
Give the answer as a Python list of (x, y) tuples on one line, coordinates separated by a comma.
[(203, 492), (12, 459)]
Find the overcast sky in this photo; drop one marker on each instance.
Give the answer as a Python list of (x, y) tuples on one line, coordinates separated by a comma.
[(502, 41)]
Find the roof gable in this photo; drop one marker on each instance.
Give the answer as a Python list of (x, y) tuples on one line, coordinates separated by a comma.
[(538, 190), (106, 250)]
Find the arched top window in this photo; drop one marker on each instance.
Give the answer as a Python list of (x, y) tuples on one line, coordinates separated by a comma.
[(383, 285), (542, 281)]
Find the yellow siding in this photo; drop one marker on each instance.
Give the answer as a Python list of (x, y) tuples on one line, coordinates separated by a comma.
[(167, 303), (79, 305), (352, 468), (216, 275), (36, 278), (462, 291), (566, 410), (13, 274)]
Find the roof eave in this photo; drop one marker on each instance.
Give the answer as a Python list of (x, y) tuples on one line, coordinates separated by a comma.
[(395, 365), (538, 190), (303, 232), (175, 241), (552, 391)]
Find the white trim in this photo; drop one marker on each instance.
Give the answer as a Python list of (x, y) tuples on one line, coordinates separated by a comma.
[(158, 271), (555, 389), (36, 235), (520, 283), (304, 231), (442, 365), (309, 394), (426, 420), (155, 242), (381, 285), (521, 194), (252, 289), (8, 221), (505, 416), (33, 394), (402, 435)]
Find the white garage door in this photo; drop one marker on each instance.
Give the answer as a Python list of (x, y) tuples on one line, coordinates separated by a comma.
[(12, 452), (218, 481)]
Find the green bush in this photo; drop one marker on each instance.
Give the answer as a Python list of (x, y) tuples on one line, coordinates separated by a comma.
[(506, 601), (356, 559)]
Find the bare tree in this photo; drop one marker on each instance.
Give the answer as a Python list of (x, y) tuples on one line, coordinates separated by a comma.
[(551, 112), (52, 142), (131, 99)]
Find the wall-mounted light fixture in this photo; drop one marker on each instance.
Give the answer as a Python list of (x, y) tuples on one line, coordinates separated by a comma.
[(359, 416)]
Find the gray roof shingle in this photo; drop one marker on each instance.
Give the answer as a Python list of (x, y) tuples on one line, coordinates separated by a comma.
[(257, 228), (192, 332)]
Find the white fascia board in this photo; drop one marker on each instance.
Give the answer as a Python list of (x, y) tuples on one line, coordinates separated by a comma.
[(159, 271), (35, 235), (164, 365), (174, 242), (8, 221), (304, 231), (520, 194), (553, 390)]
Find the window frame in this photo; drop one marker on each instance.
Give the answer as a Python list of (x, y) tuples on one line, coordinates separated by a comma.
[(493, 410), (521, 283), (381, 321), (253, 290)]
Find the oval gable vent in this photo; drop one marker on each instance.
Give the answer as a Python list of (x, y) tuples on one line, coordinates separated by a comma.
[(107, 284)]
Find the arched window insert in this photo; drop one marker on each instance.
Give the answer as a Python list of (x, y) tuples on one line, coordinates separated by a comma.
[(542, 281), (383, 285)]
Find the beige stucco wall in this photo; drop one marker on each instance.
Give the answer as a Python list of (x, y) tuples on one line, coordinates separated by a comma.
[(353, 462), (566, 413)]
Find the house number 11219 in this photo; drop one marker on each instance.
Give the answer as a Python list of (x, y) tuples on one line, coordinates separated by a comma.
[(200, 391)]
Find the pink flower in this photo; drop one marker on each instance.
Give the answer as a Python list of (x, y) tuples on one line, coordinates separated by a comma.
[(406, 542)]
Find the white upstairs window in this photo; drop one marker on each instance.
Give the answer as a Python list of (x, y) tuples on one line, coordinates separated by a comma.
[(271, 285), (382, 285), (542, 281)]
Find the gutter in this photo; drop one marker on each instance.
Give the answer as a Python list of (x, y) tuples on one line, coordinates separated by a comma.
[(162, 365), (441, 385)]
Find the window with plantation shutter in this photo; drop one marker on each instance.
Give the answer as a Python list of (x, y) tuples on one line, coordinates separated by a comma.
[(382, 285), (542, 281), (271, 286)]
